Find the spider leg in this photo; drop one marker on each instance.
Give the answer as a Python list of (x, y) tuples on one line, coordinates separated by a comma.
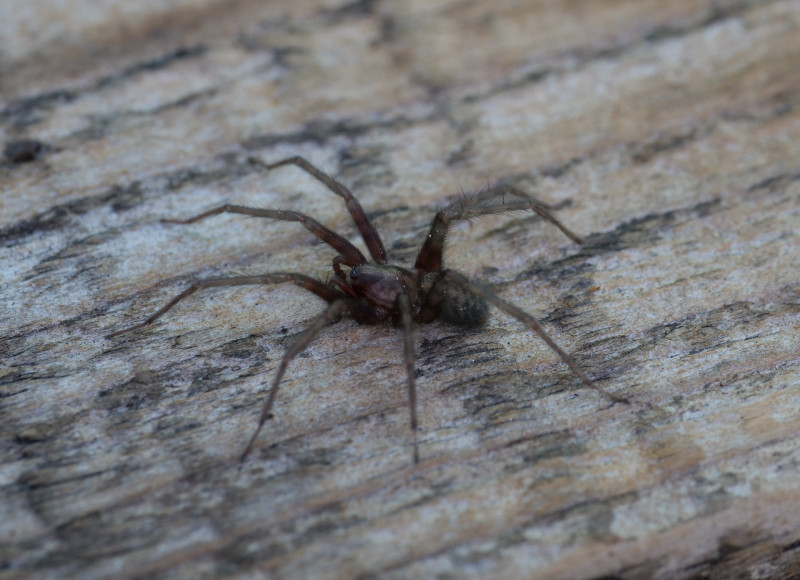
[(368, 231), (531, 322), (330, 314), (481, 204), (404, 304), (500, 190), (352, 255), (310, 284), (429, 258)]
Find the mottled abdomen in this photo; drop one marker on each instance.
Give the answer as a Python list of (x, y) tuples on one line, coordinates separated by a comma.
[(450, 303)]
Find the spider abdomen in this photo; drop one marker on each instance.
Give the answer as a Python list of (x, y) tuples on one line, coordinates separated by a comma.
[(451, 303), (461, 307)]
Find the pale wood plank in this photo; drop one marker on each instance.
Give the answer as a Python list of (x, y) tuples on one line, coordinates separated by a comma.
[(666, 133)]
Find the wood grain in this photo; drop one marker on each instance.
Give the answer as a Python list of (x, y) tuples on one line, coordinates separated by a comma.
[(667, 134)]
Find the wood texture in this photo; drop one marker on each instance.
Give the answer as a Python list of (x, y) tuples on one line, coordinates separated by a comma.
[(667, 133)]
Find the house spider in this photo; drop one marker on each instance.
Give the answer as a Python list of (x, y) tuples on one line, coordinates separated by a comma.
[(378, 292)]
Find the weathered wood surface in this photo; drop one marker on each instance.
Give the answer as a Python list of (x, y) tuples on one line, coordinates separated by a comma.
[(668, 133)]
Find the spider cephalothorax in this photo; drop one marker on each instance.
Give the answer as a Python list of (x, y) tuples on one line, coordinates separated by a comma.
[(378, 292)]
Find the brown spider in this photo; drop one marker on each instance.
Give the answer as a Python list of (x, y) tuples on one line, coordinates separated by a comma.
[(378, 292)]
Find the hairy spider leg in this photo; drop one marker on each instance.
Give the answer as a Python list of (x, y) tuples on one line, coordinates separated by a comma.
[(331, 313), (407, 322), (494, 191), (351, 255), (429, 258), (531, 323), (328, 294), (368, 232), (541, 209)]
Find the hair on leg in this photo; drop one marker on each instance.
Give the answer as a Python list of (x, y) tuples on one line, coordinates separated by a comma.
[(491, 193), (430, 255)]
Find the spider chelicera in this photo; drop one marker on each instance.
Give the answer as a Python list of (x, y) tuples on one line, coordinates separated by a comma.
[(377, 292)]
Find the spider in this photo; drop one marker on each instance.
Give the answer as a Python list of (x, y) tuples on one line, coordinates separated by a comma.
[(376, 292)]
